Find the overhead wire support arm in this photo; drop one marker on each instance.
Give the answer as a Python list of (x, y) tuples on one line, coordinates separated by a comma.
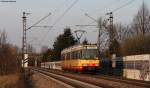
[(60, 17), (34, 25), (24, 38), (84, 25), (6, 1), (123, 5), (103, 24), (44, 26), (67, 10), (91, 17)]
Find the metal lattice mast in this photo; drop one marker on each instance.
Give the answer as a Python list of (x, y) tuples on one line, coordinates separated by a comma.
[(143, 17), (98, 39), (24, 38), (24, 47), (111, 29)]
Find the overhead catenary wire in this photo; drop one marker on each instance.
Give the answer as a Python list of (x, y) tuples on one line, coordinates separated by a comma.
[(57, 9), (60, 6), (39, 21), (103, 8), (67, 10), (57, 20), (53, 12), (63, 16), (118, 8), (94, 20), (71, 7), (126, 4)]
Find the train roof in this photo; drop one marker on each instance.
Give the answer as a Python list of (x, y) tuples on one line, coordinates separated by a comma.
[(79, 47)]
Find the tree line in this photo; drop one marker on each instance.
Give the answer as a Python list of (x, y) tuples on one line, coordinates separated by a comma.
[(64, 40), (9, 63), (132, 39)]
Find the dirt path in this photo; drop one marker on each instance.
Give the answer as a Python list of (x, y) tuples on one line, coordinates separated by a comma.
[(41, 81)]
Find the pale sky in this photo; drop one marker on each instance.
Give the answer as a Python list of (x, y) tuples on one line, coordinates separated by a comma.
[(11, 21)]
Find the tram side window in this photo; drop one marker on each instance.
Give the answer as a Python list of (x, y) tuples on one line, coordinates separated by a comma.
[(79, 54), (75, 55), (71, 55), (63, 56), (68, 56)]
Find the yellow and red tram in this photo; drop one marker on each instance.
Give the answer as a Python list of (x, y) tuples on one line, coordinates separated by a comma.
[(80, 58)]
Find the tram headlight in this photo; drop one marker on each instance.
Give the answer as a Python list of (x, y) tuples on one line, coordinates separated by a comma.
[(84, 64)]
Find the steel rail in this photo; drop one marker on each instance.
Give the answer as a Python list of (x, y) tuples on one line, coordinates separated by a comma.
[(69, 81), (111, 78), (127, 81)]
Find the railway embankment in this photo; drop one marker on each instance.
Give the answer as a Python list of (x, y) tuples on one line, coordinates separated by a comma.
[(26, 76), (43, 81), (104, 82), (12, 81)]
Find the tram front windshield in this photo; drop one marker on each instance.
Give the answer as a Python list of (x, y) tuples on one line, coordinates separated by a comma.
[(90, 53)]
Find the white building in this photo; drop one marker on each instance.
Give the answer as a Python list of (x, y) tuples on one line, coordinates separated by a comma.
[(137, 67)]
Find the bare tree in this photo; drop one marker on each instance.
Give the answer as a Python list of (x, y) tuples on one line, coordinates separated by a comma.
[(122, 32), (141, 22), (3, 37), (30, 49), (8, 61), (44, 49), (102, 41)]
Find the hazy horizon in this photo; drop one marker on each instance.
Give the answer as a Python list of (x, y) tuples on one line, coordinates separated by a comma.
[(11, 17)]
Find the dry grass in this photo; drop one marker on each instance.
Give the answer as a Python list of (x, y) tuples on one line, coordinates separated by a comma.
[(44, 82), (11, 81)]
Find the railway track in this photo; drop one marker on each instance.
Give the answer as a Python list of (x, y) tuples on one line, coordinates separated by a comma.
[(72, 82), (122, 80), (96, 80)]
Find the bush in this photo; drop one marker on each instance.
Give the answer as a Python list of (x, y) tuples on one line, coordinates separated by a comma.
[(8, 56), (139, 44)]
